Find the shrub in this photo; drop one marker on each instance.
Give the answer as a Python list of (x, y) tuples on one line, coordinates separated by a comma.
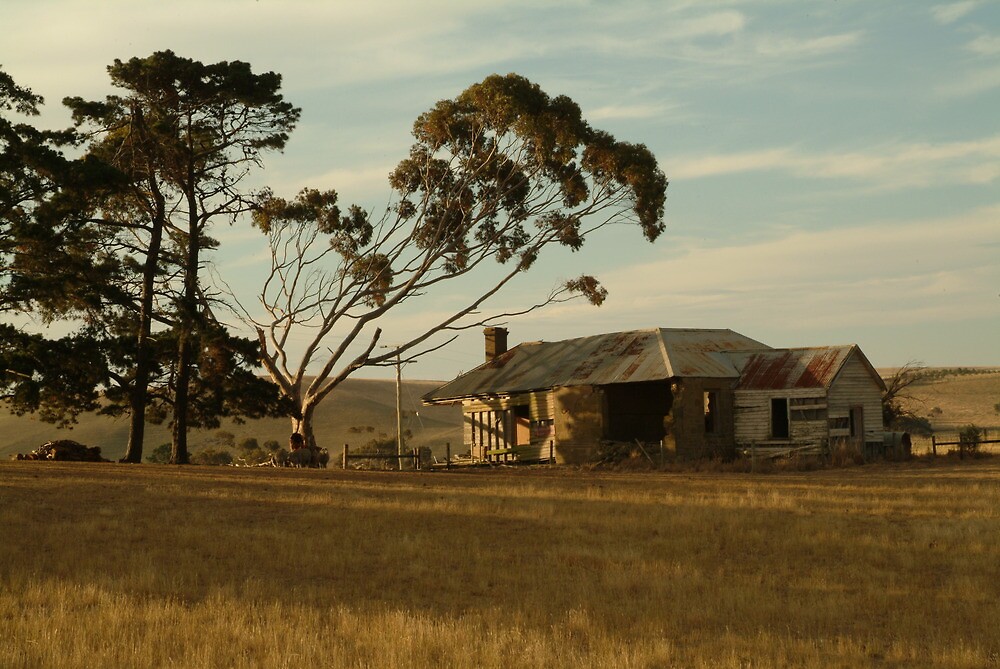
[(969, 438), (212, 456), (383, 446), (915, 425), (249, 444), (224, 438), (160, 455)]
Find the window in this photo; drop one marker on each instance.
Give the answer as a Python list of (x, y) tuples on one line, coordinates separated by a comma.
[(711, 411), (840, 423), (779, 418), (807, 408)]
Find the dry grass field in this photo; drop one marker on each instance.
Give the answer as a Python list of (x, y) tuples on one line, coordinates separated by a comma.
[(106, 565), (952, 401)]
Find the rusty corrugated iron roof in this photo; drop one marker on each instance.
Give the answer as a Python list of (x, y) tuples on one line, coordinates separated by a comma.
[(790, 368), (621, 357)]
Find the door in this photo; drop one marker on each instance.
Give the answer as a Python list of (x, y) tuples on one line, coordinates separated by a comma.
[(857, 421)]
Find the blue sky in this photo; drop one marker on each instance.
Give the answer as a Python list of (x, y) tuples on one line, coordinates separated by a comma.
[(834, 167)]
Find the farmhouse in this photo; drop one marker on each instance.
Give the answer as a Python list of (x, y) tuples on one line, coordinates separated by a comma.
[(692, 392)]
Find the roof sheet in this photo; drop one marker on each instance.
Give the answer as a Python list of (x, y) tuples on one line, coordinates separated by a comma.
[(621, 357), (790, 367)]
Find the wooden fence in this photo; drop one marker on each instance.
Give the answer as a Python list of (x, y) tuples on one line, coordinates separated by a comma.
[(413, 455), (963, 445)]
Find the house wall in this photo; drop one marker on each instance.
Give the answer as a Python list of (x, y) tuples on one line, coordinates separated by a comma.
[(816, 415), (854, 386), (523, 421), (579, 423), (687, 435), (807, 417)]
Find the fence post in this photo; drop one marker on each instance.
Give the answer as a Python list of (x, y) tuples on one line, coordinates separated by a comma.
[(933, 444), (447, 455), (416, 459), (345, 456), (552, 452)]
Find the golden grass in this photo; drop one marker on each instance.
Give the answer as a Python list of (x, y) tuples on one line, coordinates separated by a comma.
[(111, 565)]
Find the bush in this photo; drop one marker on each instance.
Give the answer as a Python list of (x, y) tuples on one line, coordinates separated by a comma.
[(249, 444), (212, 456), (969, 438), (384, 446), (914, 425), (160, 455)]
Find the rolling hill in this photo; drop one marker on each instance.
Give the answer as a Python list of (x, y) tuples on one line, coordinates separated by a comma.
[(363, 409), (358, 411)]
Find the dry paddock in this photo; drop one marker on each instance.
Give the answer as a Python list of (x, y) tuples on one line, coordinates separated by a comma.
[(117, 565)]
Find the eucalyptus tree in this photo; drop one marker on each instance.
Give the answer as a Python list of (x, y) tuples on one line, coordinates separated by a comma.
[(187, 135), (495, 177)]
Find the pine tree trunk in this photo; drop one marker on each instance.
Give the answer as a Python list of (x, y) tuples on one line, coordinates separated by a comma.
[(143, 355), (178, 448), (187, 317)]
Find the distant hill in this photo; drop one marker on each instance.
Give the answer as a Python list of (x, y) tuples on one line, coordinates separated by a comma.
[(364, 409), (356, 412), (954, 397)]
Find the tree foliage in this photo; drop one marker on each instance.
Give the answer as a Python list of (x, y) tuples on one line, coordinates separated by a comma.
[(495, 176), (51, 265), (185, 135), (115, 241)]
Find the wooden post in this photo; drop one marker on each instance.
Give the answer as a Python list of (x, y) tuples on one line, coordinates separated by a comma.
[(345, 455), (933, 444), (447, 455), (552, 452), (399, 410), (416, 459)]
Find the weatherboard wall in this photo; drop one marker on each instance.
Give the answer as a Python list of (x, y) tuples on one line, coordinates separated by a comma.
[(857, 385)]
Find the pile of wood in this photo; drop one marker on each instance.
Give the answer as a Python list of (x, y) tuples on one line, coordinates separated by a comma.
[(64, 450)]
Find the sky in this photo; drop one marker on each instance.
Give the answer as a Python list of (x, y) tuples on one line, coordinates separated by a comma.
[(834, 167)]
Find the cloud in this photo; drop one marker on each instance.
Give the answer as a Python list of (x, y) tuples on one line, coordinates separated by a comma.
[(953, 11), (971, 83), (716, 24), (639, 111), (894, 166), (985, 45), (902, 273), (785, 47)]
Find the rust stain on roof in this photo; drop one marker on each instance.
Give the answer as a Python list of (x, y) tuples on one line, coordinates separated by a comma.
[(792, 368), (620, 357)]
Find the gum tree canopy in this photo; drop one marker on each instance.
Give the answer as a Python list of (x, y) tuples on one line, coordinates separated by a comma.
[(495, 176)]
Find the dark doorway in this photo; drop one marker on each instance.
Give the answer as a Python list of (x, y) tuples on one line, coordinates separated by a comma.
[(636, 411), (779, 418)]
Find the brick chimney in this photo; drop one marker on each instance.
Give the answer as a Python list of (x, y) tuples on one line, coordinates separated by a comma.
[(496, 342)]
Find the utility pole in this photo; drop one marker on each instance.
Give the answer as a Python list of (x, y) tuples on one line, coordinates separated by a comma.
[(399, 412)]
